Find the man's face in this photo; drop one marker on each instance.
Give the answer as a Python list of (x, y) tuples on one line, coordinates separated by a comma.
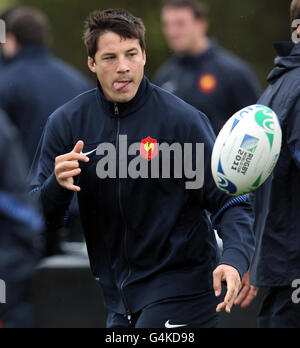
[(182, 28), (119, 64)]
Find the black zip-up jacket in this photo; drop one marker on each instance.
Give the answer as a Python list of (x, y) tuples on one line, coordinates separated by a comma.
[(215, 82), (33, 85), (148, 239), (277, 202)]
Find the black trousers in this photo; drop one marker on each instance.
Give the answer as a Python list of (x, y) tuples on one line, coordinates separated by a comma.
[(279, 310), (198, 311)]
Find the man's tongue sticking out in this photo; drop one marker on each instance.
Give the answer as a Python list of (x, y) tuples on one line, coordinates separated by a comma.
[(120, 85)]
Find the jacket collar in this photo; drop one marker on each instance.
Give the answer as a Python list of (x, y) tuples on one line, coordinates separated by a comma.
[(288, 59), (196, 59), (117, 110), (29, 52)]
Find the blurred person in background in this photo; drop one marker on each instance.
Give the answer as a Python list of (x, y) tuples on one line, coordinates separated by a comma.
[(33, 84), (201, 72), (276, 264), (20, 227), (2, 61)]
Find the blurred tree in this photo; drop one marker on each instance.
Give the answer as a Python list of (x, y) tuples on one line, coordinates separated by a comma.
[(248, 28), (6, 3)]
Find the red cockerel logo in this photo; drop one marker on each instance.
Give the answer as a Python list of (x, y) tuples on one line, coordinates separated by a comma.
[(149, 148)]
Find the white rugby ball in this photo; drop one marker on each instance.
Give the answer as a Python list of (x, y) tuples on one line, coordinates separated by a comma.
[(246, 150)]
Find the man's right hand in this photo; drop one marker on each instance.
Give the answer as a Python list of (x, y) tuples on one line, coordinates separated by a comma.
[(67, 167), (247, 294)]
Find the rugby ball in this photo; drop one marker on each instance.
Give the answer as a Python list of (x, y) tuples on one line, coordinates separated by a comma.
[(246, 150)]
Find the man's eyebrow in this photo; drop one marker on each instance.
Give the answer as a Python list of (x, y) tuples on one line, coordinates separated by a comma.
[(113, 54), (132, 49), (108, 54)]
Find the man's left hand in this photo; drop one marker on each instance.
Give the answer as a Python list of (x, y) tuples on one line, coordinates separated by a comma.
[(247, 294)]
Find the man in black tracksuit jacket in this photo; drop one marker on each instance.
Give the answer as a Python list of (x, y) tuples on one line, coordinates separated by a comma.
[(236, 86), (150, 243), (201, 72), (33, 85), (276, 264), (20, 227)]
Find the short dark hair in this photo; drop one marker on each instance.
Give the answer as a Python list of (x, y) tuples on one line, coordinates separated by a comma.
[(29, 25), (295, 10), (112, 20), (199, 9)]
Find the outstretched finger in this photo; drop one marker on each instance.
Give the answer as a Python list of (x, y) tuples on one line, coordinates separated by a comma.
[(69, 174), (221, 307), (217, 278), (78, 147), (72, 187), (233, 289), (242, 295), (72, 156), (250, 297)]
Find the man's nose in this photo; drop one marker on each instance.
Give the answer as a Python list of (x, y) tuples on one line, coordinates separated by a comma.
[(122, 66)]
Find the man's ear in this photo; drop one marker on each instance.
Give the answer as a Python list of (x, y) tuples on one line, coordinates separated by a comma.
[(203, 26), (11, 47), (145, 57), (298, 30), (91, 65)]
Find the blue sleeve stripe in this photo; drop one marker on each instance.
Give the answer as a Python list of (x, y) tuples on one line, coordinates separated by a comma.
[(233, 203), (12, 208)]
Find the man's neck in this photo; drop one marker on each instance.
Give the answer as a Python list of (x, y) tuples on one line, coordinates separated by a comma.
[(200, 47)]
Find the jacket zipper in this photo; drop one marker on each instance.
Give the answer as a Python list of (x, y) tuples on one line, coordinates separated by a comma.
[(128, 313)]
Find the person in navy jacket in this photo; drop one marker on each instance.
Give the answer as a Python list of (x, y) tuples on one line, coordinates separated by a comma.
[(33, 83), (150, 243), (276, 265), (20, 233), (201, 72)]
